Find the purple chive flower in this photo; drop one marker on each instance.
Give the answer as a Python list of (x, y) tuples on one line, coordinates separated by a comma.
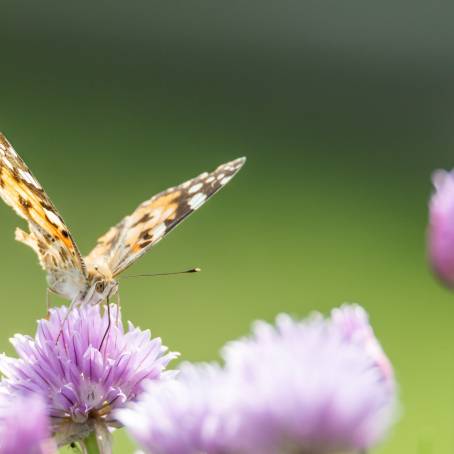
[(441, 227), (24, 425), (353, 322), (314, 386), (82, 373)]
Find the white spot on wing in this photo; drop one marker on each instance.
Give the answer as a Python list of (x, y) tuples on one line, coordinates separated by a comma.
[(13, 151), (210, 179), (29, 179), (159, 231), (195, 188), (197, 200), (6, 161), (53, 217), (226, 179)]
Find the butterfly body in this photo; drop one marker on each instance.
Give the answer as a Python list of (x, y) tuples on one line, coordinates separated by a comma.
[(93, 279)]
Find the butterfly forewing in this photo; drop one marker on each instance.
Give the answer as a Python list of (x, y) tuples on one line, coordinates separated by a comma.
[(122, 245), (153, 219), (49, 236)]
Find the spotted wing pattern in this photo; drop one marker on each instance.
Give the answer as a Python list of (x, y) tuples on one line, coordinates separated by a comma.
[(48, 235), (124, 243)]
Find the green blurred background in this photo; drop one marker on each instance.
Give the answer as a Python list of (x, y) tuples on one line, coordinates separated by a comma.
[(343, 110)]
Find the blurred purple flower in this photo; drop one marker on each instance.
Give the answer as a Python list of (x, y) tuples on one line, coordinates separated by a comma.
[(24, 425), (353, 322), (314, 386), (441, 227), (82, 376)]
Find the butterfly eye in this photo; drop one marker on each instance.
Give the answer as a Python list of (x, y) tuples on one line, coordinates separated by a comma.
[(100, 286)]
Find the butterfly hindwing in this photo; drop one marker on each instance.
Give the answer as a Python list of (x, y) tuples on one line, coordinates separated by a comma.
[(48, 235), (153, 219)]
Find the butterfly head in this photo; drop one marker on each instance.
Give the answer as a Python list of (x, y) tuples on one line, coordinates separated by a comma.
[(102, 285)]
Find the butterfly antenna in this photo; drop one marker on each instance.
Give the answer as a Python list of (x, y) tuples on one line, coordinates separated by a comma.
[(192, 270)]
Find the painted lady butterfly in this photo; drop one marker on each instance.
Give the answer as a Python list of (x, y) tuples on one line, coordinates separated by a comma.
[(92, 279)]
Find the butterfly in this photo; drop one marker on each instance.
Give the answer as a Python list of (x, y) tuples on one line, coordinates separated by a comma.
[(93, 279)]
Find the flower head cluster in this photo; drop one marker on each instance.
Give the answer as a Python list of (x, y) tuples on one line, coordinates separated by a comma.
[(313, 386), (24, 425), (441, 227), (84, 367)]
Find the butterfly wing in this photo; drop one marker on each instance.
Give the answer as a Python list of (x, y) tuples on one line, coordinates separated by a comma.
[(48, 235), (124, 243)]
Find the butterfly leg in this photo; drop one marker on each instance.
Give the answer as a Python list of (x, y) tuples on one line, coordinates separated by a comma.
[(70, 308), (49, 292), (108, 324), (117, 319)]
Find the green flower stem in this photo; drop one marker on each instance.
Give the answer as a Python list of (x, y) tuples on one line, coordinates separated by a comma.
[(91, 444)]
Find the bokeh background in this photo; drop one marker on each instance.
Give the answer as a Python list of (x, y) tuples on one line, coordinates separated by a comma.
[(343, 110)]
